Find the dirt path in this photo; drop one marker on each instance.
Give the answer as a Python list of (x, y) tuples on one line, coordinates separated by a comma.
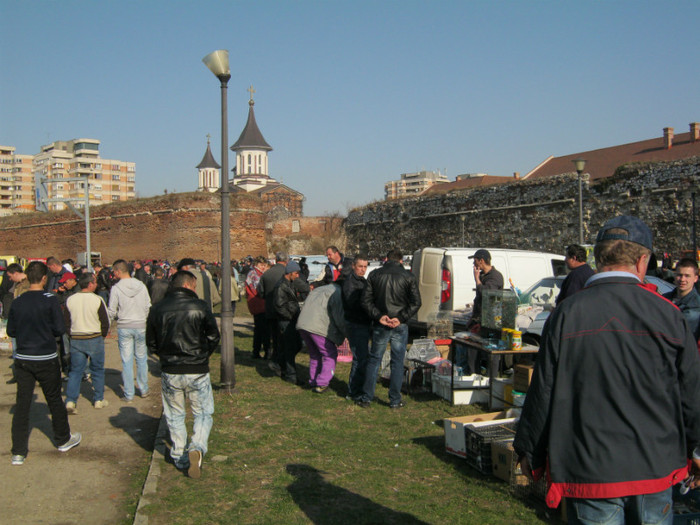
[(99, 481)]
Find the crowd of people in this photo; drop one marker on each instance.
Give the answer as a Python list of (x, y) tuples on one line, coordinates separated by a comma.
[(611, 417)]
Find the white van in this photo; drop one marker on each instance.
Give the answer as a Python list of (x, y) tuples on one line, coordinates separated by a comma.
[(446, 276)]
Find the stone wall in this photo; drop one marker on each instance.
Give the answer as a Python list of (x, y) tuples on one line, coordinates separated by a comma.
[(540, 214), (165, 227)]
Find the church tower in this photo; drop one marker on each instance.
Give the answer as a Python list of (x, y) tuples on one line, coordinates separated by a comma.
[(251, 154), (209, 172)]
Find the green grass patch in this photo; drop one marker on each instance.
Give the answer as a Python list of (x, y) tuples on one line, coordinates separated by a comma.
[(281, 454)]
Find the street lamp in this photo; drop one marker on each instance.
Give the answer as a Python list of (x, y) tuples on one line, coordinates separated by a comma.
[(217, 62), (580, 164)]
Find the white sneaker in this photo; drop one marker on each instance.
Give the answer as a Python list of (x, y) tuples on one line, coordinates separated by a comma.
[(74, 441), (101, 403), (18, 460), (70, 408)]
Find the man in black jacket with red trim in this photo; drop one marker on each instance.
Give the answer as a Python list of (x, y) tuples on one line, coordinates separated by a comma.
[(612, 413)]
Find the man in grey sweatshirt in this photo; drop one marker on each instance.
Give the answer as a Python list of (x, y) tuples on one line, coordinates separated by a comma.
[(129, 304)]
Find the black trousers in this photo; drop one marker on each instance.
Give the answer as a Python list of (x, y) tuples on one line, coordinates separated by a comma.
[(261, 335), (48, 374), (272, 329), (290, 344)]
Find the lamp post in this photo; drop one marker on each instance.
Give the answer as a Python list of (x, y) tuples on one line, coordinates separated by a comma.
[(217, 62), (580, 164)]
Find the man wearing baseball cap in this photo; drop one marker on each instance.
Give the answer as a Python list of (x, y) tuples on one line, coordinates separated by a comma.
[(612, 409), (486, 278), (285, 301)]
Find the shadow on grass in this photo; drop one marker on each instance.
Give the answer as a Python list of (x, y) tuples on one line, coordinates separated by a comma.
[(326, 504)]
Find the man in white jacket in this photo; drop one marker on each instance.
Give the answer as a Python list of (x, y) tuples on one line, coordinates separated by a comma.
[(129, 304)]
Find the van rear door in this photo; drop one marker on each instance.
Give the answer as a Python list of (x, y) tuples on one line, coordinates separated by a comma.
[(427, 267)]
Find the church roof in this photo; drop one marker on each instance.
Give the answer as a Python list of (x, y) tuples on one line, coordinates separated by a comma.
[(251, 136), (208, 159)]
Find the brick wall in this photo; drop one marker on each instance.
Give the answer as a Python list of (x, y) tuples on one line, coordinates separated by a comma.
[(164, 227), (534, 215)]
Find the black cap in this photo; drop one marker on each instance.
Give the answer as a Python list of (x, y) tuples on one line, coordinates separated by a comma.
[(481, 254)]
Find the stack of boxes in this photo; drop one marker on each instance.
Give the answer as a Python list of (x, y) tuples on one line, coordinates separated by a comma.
[(485, 441)]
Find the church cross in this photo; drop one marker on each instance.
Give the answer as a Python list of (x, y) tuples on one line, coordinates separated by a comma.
[(251, 91)]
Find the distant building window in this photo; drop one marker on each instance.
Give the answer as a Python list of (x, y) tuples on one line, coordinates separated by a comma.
[(323, 225), (115, 177), (295, 226)]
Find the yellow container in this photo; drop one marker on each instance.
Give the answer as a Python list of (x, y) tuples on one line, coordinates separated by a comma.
[(517, 341)]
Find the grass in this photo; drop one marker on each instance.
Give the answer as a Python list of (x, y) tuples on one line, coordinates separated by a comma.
[(281, 454)]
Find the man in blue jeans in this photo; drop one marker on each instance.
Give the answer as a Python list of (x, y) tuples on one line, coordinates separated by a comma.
[(391, 298), (86, 316), (129, 303), (182, 331)]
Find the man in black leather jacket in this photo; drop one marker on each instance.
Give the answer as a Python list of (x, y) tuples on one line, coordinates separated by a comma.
[(285, 301), (182, 331), (391, 299)]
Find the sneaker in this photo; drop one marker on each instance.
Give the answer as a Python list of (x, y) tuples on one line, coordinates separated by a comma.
[(74, 441), (70, 408), (18, 460), (195, 470), (275, 368), (127, 399), (398, 405), (145, 394), (101, 403), (362, 404), (319, 389)]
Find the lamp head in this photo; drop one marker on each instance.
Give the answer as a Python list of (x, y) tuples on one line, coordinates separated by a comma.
[(217, 62), (580, 164)]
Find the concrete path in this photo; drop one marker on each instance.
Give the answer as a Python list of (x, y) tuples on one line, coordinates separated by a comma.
[(97, 481)]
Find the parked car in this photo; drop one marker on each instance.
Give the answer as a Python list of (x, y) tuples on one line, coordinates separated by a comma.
[(541, 298)]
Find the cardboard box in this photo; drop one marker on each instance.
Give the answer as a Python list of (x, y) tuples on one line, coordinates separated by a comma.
[(522, 376), (455, 442), (503, 459)]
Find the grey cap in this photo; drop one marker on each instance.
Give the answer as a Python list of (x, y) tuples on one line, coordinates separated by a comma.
[(637, 231), (292, 266)]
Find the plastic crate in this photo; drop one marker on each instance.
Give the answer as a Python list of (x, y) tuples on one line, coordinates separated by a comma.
[(344, 352), (478, 439)]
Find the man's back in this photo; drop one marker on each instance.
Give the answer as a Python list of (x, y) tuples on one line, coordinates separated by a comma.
[(391, 290), (35, 320), (617, 349), (182, 330), (129, 302)]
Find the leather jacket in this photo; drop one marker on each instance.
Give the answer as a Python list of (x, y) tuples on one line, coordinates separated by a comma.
[(285, 300), (391, 290), (182, 331)]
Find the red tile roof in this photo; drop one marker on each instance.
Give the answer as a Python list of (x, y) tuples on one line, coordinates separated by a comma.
[(601, 163), (471, 182)]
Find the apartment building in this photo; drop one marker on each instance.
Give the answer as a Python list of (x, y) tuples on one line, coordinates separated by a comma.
[(412, 184), (16, 182), (59, 162)]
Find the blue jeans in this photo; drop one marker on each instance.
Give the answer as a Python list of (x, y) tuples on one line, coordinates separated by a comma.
[(80, 351), (175, 389), (643, 509), (381, 335), (132, 342), (358, 337)]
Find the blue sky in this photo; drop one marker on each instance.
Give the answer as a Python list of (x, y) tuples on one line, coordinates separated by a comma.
[(350, 94)]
